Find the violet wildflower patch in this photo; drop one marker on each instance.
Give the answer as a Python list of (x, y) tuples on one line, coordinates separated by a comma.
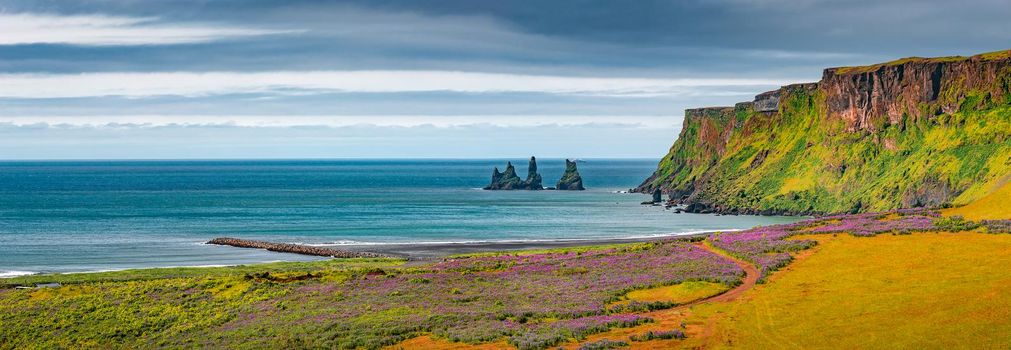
[(533, 301)]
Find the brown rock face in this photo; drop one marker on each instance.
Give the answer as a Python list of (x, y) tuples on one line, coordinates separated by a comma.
[(866, 97), (715, 126), (767, 101), (704, 138)]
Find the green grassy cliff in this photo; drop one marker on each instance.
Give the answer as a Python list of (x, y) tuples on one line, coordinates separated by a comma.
[(916, 132)]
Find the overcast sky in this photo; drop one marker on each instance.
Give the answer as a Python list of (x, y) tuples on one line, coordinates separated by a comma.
[(439, 79)]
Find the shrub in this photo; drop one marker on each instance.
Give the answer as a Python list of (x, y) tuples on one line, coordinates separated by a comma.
[(997, 226), (651, 335), (603, 344), (955, 224)]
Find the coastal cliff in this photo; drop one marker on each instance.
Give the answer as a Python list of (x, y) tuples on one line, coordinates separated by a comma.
[(915, 132)]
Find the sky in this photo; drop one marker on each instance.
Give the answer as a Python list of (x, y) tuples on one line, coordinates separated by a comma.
[(159, 79)]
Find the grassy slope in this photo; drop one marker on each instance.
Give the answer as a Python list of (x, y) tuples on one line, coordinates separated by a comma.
[(993, 206), (148, 307), (938, 290), (815, 165), (187, 272), (679, 293)]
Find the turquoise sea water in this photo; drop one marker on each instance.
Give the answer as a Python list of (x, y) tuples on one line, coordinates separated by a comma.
[(105, 215)]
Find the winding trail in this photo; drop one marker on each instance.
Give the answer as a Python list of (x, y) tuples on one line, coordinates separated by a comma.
[(665, 319), (672, 318), (750, 278)]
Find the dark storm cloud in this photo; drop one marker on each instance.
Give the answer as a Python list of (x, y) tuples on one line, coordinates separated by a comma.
[(777, 37), (641, 45)]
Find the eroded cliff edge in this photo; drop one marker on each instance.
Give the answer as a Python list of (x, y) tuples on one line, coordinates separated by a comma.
[(916, 132)]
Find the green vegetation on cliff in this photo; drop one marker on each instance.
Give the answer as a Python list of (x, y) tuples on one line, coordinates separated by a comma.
[(570, 181), (910, 133)]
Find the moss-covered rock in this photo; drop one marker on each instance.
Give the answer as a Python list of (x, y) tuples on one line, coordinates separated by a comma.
[(508, 180), (570, 180)]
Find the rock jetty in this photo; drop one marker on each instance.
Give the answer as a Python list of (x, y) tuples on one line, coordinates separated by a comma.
[(295, 248), (570, 181)]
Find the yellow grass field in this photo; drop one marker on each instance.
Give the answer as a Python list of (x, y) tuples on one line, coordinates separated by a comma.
[(679, 293), (928, 290), (996, 205), (918, 291)]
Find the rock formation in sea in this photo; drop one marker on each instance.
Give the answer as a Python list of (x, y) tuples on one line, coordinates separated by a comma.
[(570, 181), (657, 198), (533, 181), (508, 180), (915, 132)]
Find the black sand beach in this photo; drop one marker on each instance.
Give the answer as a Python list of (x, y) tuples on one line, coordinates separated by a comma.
[(432, 251)]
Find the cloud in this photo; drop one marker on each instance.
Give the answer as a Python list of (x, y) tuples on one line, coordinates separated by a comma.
[(266, 121), (173, 141), (138, 85), (105, 30)]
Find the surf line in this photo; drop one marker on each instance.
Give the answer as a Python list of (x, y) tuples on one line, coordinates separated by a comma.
[(296, 248)]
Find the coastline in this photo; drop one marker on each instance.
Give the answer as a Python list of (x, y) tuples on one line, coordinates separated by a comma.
[(418, 252), (438, 250)]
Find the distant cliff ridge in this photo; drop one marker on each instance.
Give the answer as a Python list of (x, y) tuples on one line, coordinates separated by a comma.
[(915, 132)]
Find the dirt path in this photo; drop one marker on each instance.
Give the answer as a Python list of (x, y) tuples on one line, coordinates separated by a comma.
[(672, 318), (750, 279)]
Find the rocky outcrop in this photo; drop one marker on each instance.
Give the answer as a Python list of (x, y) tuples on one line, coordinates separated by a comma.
[(570, 181), (700, 144), (767, 102), (912, 132), (533, 181), (294, 248), (872, 97), (510, 181), (505, 181)]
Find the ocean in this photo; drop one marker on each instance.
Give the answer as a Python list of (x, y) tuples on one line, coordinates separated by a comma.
[(71, 216)]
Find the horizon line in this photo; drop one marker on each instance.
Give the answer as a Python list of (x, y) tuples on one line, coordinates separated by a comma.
[(310, 158)]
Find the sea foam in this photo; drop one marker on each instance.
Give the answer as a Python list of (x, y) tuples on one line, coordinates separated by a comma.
[(9, 274)]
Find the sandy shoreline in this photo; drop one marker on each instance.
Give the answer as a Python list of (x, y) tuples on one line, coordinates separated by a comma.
[(421, 252), (431, 251)]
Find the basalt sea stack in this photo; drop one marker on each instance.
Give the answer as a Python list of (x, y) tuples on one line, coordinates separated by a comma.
[(916, 132), (570, 181), (510, 181)]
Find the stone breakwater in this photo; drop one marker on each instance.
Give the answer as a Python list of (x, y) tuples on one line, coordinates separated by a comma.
[(295, 248)]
